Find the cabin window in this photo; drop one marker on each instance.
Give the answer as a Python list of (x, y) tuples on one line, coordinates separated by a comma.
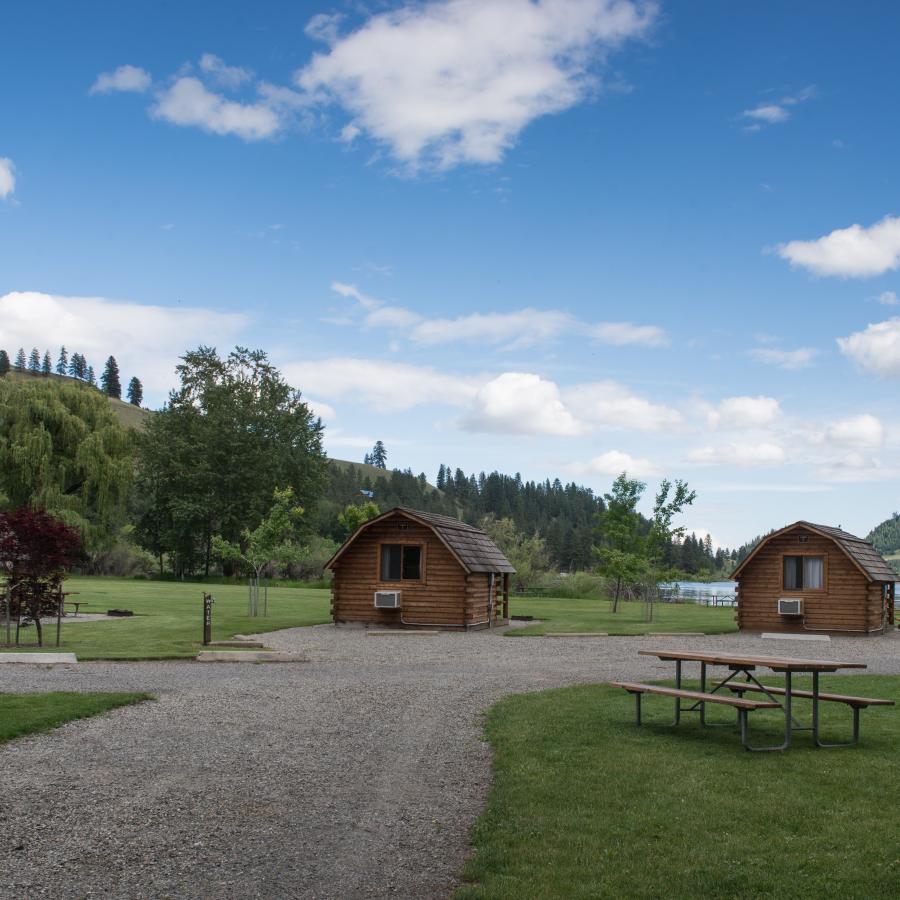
[(401, 562), (804, 573)]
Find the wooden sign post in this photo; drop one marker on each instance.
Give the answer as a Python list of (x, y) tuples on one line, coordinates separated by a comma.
[(207, 618)]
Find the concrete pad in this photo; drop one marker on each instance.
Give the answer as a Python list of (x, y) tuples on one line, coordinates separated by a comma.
[(249, 656), (779, 636), (675, 634), (404, 631), (43, 659), (252, 645), (578, 634)]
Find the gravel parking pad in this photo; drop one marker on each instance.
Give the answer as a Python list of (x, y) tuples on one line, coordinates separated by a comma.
[(356, 774)]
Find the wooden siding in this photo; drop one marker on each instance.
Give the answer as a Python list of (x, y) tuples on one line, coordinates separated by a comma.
[(444, 596), (848, 602)]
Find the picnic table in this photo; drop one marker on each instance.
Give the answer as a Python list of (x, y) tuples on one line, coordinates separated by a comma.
[(745, 665)]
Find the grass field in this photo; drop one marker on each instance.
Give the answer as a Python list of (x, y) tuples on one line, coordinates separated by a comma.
[(168, 617), (584, 804), (594, 615), (22, 714)]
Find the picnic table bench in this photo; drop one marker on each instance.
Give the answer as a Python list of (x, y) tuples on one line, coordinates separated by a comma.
[(745, 665)]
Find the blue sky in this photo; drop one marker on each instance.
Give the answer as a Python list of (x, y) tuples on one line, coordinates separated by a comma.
[(563, 238)]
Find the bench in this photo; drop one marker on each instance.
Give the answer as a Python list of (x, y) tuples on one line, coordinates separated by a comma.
[(76, 603), (855, 703), (741, 704)]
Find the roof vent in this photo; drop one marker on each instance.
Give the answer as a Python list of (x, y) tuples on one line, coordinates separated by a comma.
[(803, 538)]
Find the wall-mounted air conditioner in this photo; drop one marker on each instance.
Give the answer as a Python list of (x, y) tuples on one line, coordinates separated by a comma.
[(387, 599), (790, 606)]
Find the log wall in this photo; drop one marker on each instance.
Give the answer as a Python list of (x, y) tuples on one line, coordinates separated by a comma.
[(444, 596), (848, 602)]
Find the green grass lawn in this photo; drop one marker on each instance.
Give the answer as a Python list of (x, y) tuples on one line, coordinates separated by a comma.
[(26, 713), (585, 804), (168, 617), (558, 614)]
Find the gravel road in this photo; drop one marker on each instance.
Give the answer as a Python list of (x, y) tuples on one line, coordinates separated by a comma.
[(356, 774)]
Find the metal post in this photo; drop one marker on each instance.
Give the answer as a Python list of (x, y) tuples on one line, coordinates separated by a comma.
[(637, 707), (787, 709), (207, 618), (59, 612), (702, 691), (815, 711), (677, 685)]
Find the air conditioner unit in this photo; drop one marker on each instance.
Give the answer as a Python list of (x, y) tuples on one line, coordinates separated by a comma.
[(387, 599), (790, 606)]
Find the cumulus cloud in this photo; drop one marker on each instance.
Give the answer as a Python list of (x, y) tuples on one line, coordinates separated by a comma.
[(790, 360), (227, 76), (130, 79), (743, 454), (146, 340), (520, 403), (876, 349), (864, 431), (614, 462), (612, 405), (854, 252), (7, 177), (456, 81), (744, 412), (188, 101), (624, 333), (384, 386)]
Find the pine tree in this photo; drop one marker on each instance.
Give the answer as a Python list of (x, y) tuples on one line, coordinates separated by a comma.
[(367, 460), (109, 380), (47, 364), (379, 455), (4, 363), (89, 377), (135, 392), (20, 360), (62, 364), (34, 360), (75, 366), (441, 477)]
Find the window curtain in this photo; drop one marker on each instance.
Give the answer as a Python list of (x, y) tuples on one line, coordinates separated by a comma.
[(813, 572), (791, 573)]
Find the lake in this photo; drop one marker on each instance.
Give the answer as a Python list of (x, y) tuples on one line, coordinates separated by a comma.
[(707, 593)]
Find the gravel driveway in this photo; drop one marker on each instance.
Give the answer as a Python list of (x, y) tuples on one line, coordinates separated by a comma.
[(356, 774)]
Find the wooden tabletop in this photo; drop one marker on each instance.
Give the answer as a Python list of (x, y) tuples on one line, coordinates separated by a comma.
[(777, 663)]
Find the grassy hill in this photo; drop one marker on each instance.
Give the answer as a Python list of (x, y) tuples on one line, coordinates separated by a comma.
[(128, 414)]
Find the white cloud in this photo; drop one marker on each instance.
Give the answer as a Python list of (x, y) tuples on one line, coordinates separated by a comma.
[(146, 340), (888, 298), (385, 386), (227, 76), (856, 467), (131, 79), (853, 252), (790, 360), (453, 82), (521, 328), (744, 412), (876, 350), (612, 405), (520, 403), (624, 333), (770, 113), (856, 431), (518, 329), (774, 113), (7, 177), (320, 409), (188, 102), (614, 462), (743, 454)]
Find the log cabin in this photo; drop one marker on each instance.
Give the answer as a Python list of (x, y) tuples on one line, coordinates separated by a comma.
[(814, 578), (408, 569)]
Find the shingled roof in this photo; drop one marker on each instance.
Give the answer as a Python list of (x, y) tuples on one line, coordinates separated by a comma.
[(860, 551), (474, 550)]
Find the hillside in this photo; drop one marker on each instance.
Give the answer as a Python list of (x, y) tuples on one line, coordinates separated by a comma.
[(129, 415), (886, 536)]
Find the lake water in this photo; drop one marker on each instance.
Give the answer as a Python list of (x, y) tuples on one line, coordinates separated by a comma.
[(707, 593)]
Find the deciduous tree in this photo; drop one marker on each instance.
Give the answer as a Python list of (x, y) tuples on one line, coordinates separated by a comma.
[(353, 516)]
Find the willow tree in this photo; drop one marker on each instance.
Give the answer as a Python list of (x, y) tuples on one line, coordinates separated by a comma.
[(62, 449)]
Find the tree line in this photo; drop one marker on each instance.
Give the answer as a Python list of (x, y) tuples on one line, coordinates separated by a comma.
[(73, 366), (202, 474)]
